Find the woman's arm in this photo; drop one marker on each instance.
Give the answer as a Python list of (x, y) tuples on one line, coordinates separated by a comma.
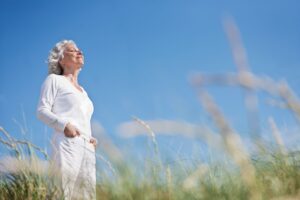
[(46, 101)]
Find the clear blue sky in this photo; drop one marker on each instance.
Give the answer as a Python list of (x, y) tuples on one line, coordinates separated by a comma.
[(139, 54)]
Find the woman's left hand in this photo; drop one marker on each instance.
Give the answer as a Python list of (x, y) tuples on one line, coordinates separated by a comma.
[(94, 142)]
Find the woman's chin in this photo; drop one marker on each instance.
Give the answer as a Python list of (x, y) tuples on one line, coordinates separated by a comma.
[(80, 65)]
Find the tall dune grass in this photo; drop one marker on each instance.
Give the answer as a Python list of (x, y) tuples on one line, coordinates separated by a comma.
[(271, 172)]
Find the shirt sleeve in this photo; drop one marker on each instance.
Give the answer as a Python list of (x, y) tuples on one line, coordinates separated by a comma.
[(46, 101)]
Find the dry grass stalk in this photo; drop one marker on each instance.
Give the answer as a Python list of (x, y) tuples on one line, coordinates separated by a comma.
[(290, 98), (107, 163), (156, 149), (245, 77), (150, 131), (14, 144), (233, 144), (238, 51), (169, 182), (277, 135)]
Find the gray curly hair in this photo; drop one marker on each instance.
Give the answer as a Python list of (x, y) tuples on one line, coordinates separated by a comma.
[(56, 54)]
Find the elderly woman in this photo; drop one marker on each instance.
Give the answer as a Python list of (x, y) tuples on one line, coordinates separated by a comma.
[(65, 106)]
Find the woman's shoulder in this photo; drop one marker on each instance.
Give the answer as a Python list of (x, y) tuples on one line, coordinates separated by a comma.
[(52, 79), (53, 76)]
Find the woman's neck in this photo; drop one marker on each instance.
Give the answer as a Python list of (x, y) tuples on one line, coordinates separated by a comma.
[(72, 76)]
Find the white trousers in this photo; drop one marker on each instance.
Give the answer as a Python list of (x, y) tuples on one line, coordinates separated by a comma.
[(76, 161)]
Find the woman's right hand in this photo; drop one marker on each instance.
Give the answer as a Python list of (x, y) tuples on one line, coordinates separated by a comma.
[(70, 131)]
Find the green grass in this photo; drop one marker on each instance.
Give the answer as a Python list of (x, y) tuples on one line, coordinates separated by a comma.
[(269, 172), (277, 176)]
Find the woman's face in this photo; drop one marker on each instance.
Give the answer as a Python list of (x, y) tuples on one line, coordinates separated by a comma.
[(73, 57)]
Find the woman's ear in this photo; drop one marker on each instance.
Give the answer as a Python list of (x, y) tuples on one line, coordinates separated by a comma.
[(61, 62)]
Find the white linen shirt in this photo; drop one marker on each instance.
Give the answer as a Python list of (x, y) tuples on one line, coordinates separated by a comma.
[(61, 102)]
